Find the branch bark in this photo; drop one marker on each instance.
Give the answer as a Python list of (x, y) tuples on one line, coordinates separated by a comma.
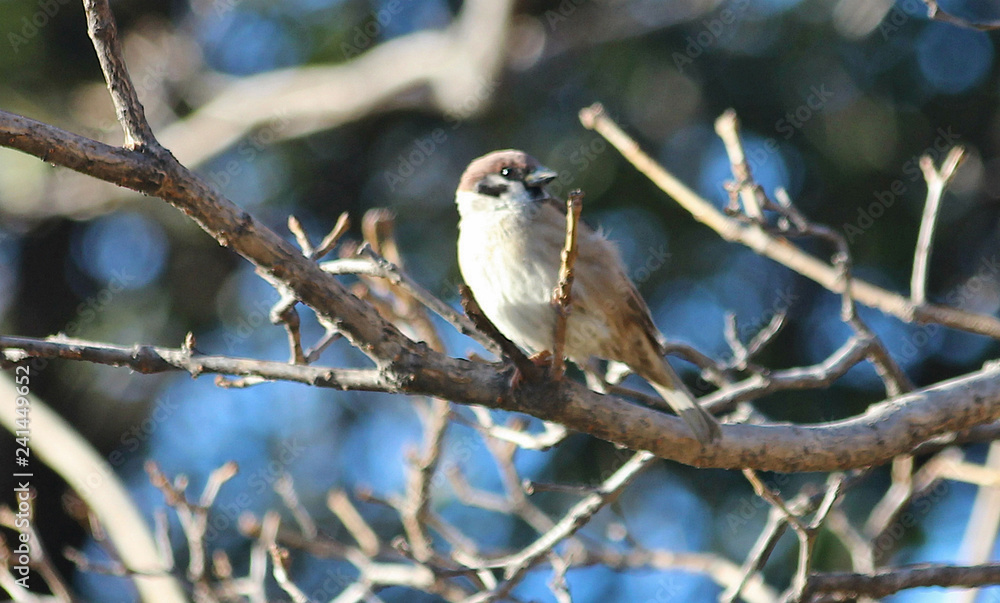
[(892, 427), (884, 582)]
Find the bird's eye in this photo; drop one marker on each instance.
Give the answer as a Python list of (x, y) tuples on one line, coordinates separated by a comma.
[(511, 173)]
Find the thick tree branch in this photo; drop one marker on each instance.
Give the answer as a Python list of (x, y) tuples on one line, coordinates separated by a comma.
[(889, 580), (404, 366), (158, 173), (895, 426)]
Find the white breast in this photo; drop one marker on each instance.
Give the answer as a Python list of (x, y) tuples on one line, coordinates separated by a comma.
[(510, 257)]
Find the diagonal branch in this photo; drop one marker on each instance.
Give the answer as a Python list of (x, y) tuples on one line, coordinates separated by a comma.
[(517, 565), (779, 249), (104, 34)]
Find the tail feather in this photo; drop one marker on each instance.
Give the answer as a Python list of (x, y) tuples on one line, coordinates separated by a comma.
[(704, 425)]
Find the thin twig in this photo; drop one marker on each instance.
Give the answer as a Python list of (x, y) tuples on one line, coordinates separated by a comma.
[(279, 557), (517, 565), (727, 126), (937, 181), (984, 519), (341, 505), (301, 237), (562, 298), (934, 12), (761, 551), (376, 265), (284, 486), (417, 507), (332, 238), (558, 584), (781, 251)]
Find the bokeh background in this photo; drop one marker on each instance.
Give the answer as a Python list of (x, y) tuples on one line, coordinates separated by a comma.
[(838, 101)]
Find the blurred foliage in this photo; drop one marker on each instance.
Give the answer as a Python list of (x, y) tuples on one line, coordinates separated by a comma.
[(838, 100)]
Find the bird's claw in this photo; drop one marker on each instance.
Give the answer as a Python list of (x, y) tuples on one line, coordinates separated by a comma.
[(542, 360)]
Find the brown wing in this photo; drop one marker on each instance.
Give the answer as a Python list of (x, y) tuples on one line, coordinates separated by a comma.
[(638, 308)]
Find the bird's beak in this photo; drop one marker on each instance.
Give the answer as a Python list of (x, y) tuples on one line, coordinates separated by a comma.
[(540, 176)]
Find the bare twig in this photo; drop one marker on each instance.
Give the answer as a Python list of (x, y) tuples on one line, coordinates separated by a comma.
[(193, 516), (860, 550), (934, 12), (375, 265), (806, 531), (898, 494), (418, 495), (285, 488), (984, 520), (727, 126), (558, 582), (552, 433), (562, 297), (301, 237), (937, 181), (515, 566), (363, 534), (761, 551), (757, 239), (279, 557), (796, 224), (333, 237)]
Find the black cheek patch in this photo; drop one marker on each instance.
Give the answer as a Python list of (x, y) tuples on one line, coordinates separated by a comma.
[(490, 188)]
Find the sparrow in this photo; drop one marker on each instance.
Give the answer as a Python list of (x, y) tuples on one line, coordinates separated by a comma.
[(511, 234)]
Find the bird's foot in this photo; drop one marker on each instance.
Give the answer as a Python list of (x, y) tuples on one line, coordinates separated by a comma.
[(543, 360)]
